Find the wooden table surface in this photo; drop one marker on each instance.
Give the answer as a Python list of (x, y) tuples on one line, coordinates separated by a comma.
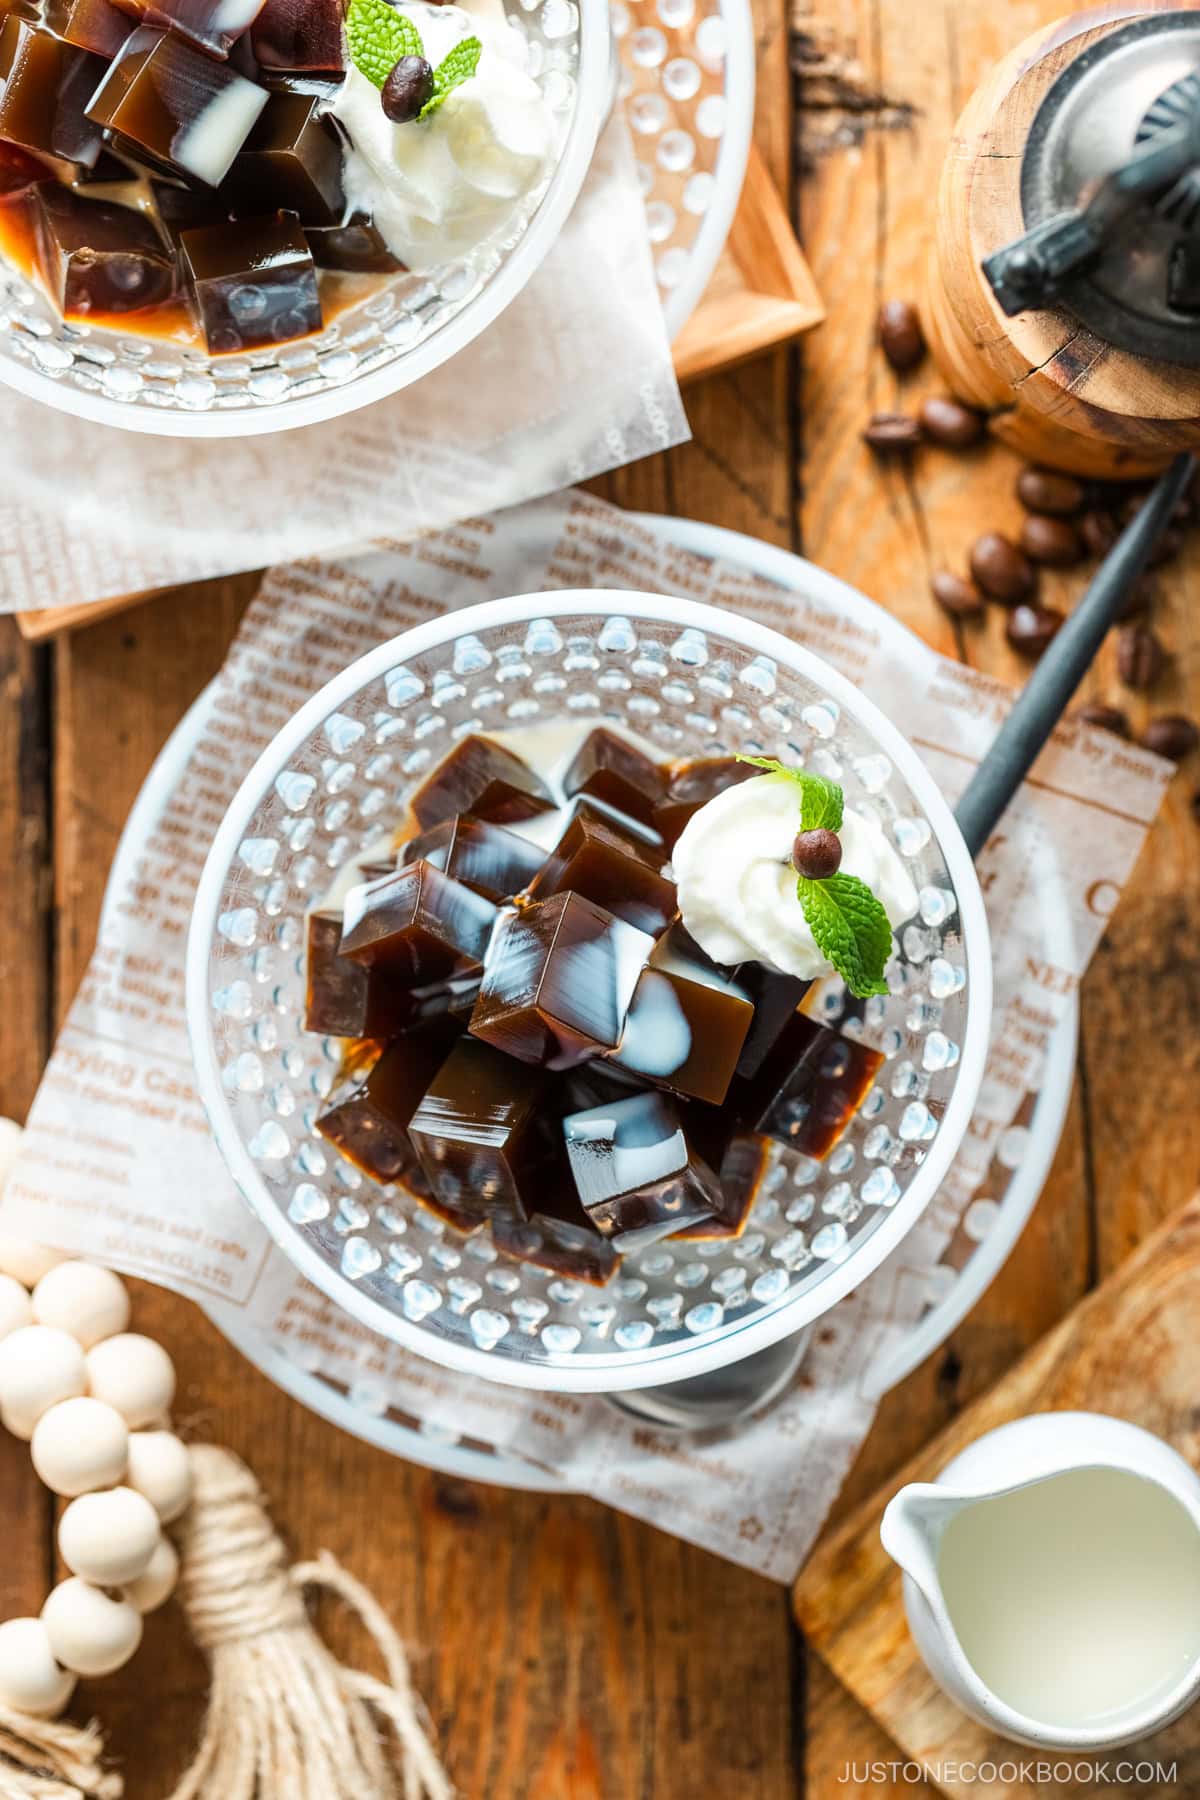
[(567, 1652)]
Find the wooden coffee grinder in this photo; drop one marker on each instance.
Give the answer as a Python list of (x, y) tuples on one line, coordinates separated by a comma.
[(1064, 290)]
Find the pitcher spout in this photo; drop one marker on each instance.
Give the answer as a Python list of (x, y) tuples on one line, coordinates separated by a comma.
[(911, 1532)]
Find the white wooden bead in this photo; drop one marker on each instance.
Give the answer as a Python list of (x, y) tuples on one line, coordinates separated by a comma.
[(109, 1538), (16, 1308), (89, 1302), (158, 1582), (30, 1679), (26, 1261), (160, 1468), (135, 1375), (39, 1366), (90, 1632), (80, 1445)]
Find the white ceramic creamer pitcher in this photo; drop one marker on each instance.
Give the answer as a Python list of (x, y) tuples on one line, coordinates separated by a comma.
[(1052, 1580)]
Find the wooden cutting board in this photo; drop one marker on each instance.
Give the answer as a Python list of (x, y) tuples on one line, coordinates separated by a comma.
[(1131, 1349)]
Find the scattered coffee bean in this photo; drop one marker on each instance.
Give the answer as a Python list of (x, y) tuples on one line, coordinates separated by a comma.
[(1140, 656), (1045, 491), (1169, 545), (950, 423), (954, 595), (1196, 806), (1002, 571), (1099, 531), (406, 89), (817, 854), (1173, 735), (892, 434), (1031, 628), (1052, 541), (1109, 718), (900, 336), (1140, 598)]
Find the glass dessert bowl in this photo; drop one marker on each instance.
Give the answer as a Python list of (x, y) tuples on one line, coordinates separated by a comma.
[(226, 219), (518, 1230)]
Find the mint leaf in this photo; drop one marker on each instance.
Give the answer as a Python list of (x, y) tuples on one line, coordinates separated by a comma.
[(457, 66), (378, 36), (850, 929), (820, 800)]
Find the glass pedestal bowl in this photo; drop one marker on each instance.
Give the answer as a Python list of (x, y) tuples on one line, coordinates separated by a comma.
[(394, 334), (694, 680)]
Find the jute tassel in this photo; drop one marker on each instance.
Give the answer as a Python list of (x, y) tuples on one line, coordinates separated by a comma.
[(41, 1759), (285, 1720)]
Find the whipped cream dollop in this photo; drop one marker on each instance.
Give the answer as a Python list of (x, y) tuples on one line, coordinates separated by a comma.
[(437, 187), (737, 887)]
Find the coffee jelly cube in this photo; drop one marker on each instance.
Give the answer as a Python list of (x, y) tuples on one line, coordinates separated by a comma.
[(478, 1132), (637, 1175), (807, 1089), (176, 107), (96, 257), (691, 785), (215, 25), (486, 858), (563, 1241), (19, 171), (252, 282), (418, 925), (344, 998), (482, 778), (686, 1023), (613, 770), (356, 248), (75, 138), (299, 34), (32, 66), (94, 25), (558, 981), (744, 1162), (596, 858), (776, 997), (370, 1112), (292, 160)]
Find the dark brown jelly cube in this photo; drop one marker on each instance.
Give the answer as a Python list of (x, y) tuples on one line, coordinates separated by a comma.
[(183, 209), (96, 257), (75, 138), (775, 998), (94, 25), (252, 282), (32, 66), (558, 981), (418, 925), (637, 1175), (216, 25), (482, 778), (291, 160), (477, 1132), (808, 1088), (19, 171), (691, 785), (743, 1165), (486, 858), (299, 34), (615, 771), (344, 998), (596, 858), (176, 107), (563, 1241), (369, 1114), (356, 248), (686, 1022)]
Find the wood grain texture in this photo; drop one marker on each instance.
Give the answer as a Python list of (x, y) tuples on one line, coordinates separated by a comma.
[(1127, 1350)]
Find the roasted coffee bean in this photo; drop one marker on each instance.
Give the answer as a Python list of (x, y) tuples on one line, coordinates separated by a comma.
[(900, 336), (1140, 597), (1052, 541), (954, 595), (950, 423), (1099, 531), (1173, 735), (1002, 571), (1169, 545), (817, 854), (1196, 806), (1031, 628), (1045, 491), (1109, 718), (406, 89), (1140, 656), (892, 434)]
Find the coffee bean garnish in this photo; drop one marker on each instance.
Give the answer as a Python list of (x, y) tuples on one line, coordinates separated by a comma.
[(892, 434), (407, 89), (1173, 735), (956, 596), (900, 336), (1196, 806), (1109, 718), (1099, 531), (1050, 541), (1140, 656), (817, 854), (1003, 571), (1031, 628), (950, 423), (1046, 491)]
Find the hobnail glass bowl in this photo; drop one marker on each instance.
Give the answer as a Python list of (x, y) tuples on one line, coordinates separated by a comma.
[(398, 333), (696, 680)]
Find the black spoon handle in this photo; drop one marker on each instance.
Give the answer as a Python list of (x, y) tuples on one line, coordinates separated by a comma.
[(1044, 698)]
